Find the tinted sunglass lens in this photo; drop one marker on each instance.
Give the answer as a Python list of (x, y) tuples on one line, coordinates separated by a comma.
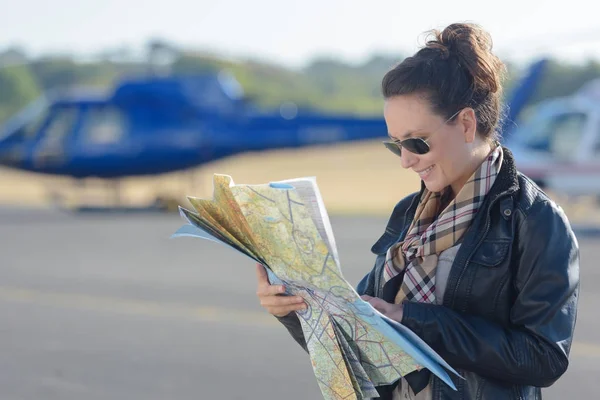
[(416, 145), (393, 147)]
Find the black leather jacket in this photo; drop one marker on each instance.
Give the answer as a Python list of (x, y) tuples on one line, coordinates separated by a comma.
[(509, 310)]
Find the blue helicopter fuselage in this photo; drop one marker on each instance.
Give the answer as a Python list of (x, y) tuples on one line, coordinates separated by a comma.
[(159, 125)]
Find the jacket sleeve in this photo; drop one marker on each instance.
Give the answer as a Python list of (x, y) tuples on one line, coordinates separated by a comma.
[(292, 324), (534, 350), (367, 283)]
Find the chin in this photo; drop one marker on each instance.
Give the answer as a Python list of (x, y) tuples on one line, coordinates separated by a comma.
[(435, 186)]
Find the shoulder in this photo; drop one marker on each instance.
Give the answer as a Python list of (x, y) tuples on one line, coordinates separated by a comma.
[(532, 200), (397, 221), (540, 217)]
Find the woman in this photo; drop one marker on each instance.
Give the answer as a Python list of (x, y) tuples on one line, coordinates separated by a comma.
[(479, 263)]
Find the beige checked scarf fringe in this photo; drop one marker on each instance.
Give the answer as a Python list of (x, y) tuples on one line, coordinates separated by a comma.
[(428, 236)]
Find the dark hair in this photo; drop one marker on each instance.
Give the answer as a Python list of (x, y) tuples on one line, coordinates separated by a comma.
[(455, 69)]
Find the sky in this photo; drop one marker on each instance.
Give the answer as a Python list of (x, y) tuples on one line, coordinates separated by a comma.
[(293, 32)]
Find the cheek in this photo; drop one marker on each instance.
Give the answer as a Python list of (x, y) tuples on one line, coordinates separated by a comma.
[(436, 157), (450, 152), (446, 160)]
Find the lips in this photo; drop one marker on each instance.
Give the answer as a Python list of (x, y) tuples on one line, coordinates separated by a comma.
[(423, 174)]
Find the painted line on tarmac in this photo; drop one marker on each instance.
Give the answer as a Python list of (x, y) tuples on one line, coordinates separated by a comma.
[(175, 310), (135, 306), (583, 349)]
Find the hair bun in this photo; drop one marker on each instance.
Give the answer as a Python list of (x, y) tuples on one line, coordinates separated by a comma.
[(441, 48), (472, 47)]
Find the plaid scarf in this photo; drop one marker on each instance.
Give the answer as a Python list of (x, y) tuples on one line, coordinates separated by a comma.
[(430, 234)]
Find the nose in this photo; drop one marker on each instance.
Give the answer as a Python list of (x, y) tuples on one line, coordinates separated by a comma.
[(408, 159)]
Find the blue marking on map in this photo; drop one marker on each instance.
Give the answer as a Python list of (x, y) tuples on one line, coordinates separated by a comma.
[(278, 185)]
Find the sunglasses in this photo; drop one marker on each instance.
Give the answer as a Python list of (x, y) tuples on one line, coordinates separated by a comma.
[(415, 145)]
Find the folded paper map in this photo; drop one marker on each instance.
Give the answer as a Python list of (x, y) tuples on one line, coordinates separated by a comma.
[(285, 227)]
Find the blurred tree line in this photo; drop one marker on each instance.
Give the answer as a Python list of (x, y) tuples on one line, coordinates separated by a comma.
[(326, 84)]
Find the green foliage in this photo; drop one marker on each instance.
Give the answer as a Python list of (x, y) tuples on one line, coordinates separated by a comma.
[(52, 73), (18, 87), (327, 84)]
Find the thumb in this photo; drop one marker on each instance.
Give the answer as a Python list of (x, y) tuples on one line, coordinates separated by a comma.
[(378, 304), (261, 273)]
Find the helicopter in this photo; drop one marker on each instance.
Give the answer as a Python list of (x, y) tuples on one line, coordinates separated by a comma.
[(558, 144), (156, 124)]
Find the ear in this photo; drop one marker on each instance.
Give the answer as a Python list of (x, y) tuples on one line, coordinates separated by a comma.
[(468, 124)]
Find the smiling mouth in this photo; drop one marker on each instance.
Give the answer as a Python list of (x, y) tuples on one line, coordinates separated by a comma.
[(425, 172)]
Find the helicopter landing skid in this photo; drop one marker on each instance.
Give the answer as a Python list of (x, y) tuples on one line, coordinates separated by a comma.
[(82, 197)]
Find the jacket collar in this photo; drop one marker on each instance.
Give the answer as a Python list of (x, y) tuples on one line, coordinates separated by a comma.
[(507, 180)]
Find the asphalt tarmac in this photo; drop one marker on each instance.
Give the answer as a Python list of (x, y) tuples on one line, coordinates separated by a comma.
[(107, 306)]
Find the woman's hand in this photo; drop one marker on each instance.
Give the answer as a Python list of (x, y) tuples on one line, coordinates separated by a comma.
[(271, 299), (392, 311)]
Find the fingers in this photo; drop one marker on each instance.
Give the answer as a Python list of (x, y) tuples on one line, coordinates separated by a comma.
[(377, 303), (270, 290), (285, 310), (280, 301), (281, 306), (264, 286), (268, 294)]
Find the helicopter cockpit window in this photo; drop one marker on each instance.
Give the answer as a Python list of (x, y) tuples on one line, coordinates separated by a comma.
[(104, 125), (31, 128), (61, 124)]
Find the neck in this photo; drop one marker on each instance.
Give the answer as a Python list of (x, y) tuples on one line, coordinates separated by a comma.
[(476, 159)]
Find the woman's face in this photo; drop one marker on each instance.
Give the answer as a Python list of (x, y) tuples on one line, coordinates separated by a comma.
[(453, 145)]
